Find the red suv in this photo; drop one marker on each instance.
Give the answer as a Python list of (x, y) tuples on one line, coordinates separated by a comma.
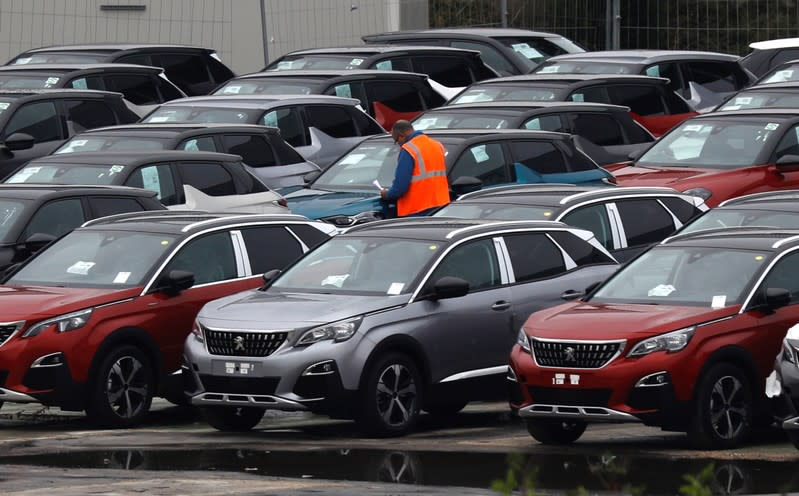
[(682, 337), (97, 320)]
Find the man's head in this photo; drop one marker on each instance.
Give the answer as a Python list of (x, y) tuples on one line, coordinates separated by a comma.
[(400, 131)]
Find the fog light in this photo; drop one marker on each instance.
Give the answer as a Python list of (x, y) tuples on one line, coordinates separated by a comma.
[(321, 368), (656, 379), (51, 360)]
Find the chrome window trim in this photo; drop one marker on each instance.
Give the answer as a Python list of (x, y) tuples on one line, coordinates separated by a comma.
[(748, 300), (501, 250), (242, 261), (568, 261), (677, 223)]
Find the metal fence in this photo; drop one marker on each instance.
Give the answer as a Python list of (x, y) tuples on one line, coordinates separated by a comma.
[(716, 25)]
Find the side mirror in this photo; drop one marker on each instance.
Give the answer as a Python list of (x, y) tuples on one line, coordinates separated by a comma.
[(776, 298), (175, 282), (788, 160), (466, 184), (450, 287), (37, 241), (269, 277), (309, 177), (19, 141)]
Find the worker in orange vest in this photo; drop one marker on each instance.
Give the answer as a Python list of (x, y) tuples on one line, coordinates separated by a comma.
[(420, 180)]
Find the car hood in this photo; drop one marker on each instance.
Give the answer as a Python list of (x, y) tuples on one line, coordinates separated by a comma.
[(635, 175), (38, 302), (600, 321), (256, 309), (317, 204)]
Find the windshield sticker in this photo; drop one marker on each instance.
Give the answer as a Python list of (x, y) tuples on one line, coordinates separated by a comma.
[(661, 290), (784, 75), (526, 50), (282, 66), (578, 97), (270, 119), (158, 118), (771, 126), (352, 159), (24, 60), (477, 96), (232, 89), (76, 143), (425, 123), (51, 81), (122, 277), (356, 61), (4, 105), (731, 107), (718, 301), (395, 288), (743, 100), (336, 281), (384, 65), (80, 268), (549, 69), (479, 153), (116, 169), (150, 180), (693, 127), (344, 90), (547, 214), (653, 71)]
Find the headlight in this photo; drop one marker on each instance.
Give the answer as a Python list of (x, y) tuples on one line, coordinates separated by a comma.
[(700, 192), (62, 323), (197, 331), (523, 341), (671, 342), (337, 331), (352, 220)]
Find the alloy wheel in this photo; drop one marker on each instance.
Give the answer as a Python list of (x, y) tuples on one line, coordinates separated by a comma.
[(396, 395), (728, 408), (127, 387)]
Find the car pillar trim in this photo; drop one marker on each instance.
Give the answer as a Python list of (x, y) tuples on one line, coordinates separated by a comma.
[(592, 413)]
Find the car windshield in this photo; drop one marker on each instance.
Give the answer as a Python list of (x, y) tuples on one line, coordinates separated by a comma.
[(96, 259), (10, 212), (731, 217), (584, 67), (532, 50), (498, 211), (68, 174), (712, 143), (368, 266), (508, 93), (111, 143), (762, 99), (269, 86), (318, 61), (781, 75), (59, 58), (174, 113), (688, 276), (460, 120), (28, 81)]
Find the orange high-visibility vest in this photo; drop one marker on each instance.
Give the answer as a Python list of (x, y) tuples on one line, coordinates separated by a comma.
[(429, 187)]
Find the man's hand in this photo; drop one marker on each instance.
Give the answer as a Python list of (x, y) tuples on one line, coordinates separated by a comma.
[(383, 192)]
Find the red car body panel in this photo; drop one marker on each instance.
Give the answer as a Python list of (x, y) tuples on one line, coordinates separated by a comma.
[(659, 124), (386, 116)]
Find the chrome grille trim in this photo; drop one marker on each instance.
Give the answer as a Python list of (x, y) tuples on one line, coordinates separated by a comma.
[(243, 342), (587, 354)]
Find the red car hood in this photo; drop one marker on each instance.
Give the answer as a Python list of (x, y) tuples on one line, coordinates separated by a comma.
[(38, 302), (581, 320), (659, 176)]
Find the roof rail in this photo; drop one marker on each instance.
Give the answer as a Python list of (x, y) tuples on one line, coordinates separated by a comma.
[(146, 214), (501, 223), (517, 187), (732, 230), (631, 189), (408, 220), (194, 225), (766, 195)]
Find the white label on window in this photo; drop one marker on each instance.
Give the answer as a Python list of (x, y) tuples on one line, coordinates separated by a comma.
[(352, 159), (270, 119), (395, 288), (232, 89), (783, 75), (479, 153), (4, 105), (76, 143), (33, 170), (23, 175), (526, 50), (150, 180), (282, 66), (51, 81), (693, 127), (384, 65), (425, 123), (661, 290), (336, 281), (718, 301), (116, 169), (578, 97), (356, 61), (653, 71), (771, 126), (731, 107), (474, 97), (549, 69), (80, 268), (344, 90), (24, 60), (743, 100), (158, 118), (122, 277)]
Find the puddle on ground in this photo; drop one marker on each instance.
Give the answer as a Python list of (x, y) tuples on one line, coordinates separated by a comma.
[(550, 473)]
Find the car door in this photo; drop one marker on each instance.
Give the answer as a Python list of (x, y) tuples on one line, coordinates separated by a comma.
[(642, 223), (38, 119), (290, 122)]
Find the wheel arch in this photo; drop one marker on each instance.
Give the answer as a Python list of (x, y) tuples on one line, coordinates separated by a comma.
[(132, 336), (399, 343), (738, 357)]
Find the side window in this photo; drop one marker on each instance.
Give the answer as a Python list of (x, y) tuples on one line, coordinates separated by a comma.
[(476, 262), (396, 95), (449, 71), (187, 71), (168, 89), (394, 64), (333, 121), (642, 99), (38, 119), (211, 179), (582, 252), (137, 59), (491, 57), (365, 124), (195, 257), (270, 248), (285, 153), (290, 123), (681, 209), (595, 94), (87, 83), (600, 129), (350, 90), (783, 55), (137, 89), (486, 162), (788, 144), (644, 221), (103, 206), (156, 178), (671, 71), (534, 256), (546, 123), (254, 150), (531, 158), (718, 77), (785, 275), (199, 144), (593, 218), (87, 114), (56, 218), (311, 236)]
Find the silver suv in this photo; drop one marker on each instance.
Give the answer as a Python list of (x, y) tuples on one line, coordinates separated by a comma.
[(385, 320)]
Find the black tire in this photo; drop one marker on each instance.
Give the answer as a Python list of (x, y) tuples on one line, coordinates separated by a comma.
[(555, 431), (390, 399), (445, 409), (122, 391), (722, 409), (233, 418)]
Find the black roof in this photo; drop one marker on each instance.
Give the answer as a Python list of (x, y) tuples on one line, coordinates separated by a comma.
[(133, 158), (443, 229), (172, 129), (58, 93), (751, 238), (35, 191), (328, 74), (566, 79), (644, 56), (476, 32), (558, 196), (183, 222), (65, 68), (533, 105)]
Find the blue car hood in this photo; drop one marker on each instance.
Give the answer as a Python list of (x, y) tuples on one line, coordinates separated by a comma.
[(317, 204)]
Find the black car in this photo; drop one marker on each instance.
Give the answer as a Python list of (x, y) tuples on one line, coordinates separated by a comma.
[(451, 67), (651, 101), (625, 220), (769, 95), (386, 95), (36, 122), (767, 55), (507, 51), (783, 73), (767, 209), (273, 160), (716, 73), (195, 70), (32, 215), (165, 172)]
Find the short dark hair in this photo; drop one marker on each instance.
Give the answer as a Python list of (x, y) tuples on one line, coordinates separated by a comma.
[(402, 126)]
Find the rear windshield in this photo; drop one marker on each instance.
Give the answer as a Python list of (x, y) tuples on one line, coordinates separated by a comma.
[(174, 113), (507, 93), (68, 174), (315, 61), (584, 67), (29, 81), (111, 143), (270, 86), (59, 58)]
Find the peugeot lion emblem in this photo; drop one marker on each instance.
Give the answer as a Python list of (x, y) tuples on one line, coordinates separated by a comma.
[(568, 354), (238, 342)]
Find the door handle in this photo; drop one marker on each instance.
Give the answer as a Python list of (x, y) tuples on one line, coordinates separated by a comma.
[(500, 305), (571, 294)]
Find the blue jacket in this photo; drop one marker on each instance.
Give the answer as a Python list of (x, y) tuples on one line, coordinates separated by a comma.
[(403, 174)]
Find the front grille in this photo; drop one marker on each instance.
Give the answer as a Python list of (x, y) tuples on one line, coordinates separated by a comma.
[(6, 330), (239, 385), (567, 396), (243, 343), (574, 354)]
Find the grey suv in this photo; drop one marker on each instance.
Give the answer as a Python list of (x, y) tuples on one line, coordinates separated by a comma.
[(384, 320)]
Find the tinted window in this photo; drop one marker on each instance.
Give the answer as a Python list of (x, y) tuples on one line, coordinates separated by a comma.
[(289, 122), (534, 256), (168, 90), (449, 71), (199, 144), (785, 275), (187, 71), (531, 158), (138, 59), (112, 206), (333, 121), (783, 55), (156, 178), (88, 83), (87, 114), (365, 124), (350, 90), (595, 94), (671, 71), (475, 262), (593, 218), (485, 162), (254, 150), (675, 104), (285, 153), (196, 255), (397, 96), (139, 90), (56, 218), (642, 99), (681, 209), (270, 248), (644, 221), (36, 119), (490, 55), (311, 236), (545, 123), (393, 64), (219, 71), (582, 252), (211, 179), (600, 129), (718, 77)]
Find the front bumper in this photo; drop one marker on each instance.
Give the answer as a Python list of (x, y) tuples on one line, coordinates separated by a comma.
[(50, 385)]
